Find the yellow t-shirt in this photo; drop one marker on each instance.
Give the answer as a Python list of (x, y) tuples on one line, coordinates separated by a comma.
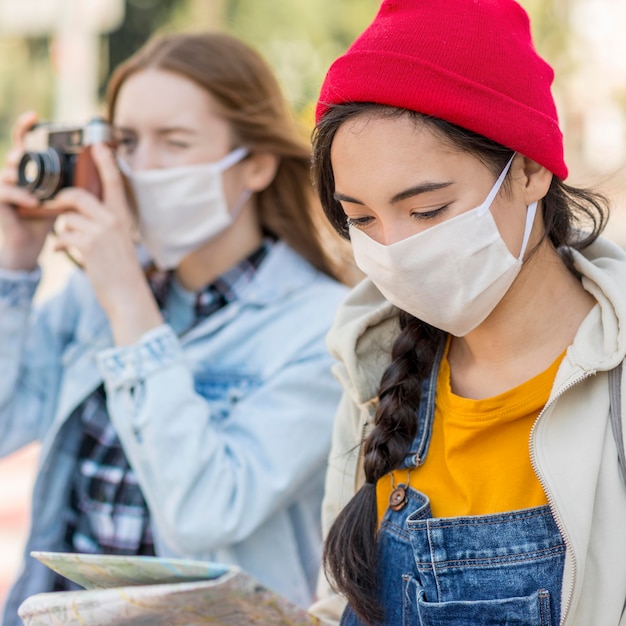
[(478, 461)]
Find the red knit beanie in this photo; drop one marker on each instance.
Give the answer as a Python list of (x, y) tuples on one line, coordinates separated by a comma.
[(468, 62)]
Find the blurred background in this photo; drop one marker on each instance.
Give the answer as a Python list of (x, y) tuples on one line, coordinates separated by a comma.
[(56, 57)]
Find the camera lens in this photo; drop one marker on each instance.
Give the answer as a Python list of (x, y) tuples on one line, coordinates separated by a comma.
[(41, 173)]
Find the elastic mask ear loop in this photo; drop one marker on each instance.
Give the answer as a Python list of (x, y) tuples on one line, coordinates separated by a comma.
[(486, 205), (530, 218), (231, 158), (228, 161), (246, 194), (530, 211)]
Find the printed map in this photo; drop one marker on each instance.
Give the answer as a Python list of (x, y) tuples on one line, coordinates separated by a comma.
[(156, 592)]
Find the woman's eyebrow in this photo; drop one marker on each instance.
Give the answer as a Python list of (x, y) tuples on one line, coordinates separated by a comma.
[(419, 189), (123, 130), (341, 197), (166, 130), (402, 195), (170, 130)]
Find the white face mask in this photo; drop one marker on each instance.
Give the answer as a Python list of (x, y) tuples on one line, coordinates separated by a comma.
[(450, 276), (181, 208)]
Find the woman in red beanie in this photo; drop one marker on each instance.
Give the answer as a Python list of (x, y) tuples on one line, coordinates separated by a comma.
[(476, 475)]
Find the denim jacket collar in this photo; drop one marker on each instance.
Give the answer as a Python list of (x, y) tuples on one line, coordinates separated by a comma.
[(262, 291)]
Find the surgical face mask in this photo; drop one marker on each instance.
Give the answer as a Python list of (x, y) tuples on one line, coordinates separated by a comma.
[(450, 276), (181, 208)]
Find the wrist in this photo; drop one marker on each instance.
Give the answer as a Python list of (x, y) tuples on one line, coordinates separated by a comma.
[(132, 314)]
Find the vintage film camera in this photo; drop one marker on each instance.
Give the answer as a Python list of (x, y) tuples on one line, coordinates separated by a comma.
[(59, 155)]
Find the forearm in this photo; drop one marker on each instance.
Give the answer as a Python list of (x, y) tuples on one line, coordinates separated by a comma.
[(130, 306)]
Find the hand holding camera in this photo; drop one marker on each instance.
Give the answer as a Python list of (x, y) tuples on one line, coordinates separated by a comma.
[(101, 234), (21, 238), (45, 159), (59, 156), (64, 176)]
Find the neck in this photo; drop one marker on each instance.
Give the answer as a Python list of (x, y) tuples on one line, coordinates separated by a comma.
[(532, 325), (218, 255)]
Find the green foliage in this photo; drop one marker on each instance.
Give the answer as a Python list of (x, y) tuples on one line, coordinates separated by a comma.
[(299, 38), (551, 33), (141, 19), (26, 81)]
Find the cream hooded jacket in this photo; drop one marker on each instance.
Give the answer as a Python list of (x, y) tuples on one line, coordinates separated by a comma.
[(572, 444)]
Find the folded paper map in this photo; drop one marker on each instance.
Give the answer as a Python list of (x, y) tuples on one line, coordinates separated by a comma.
[(134, 590)]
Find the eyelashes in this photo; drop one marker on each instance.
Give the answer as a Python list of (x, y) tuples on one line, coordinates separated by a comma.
[(357, 222), (429, 215), (420, 216)]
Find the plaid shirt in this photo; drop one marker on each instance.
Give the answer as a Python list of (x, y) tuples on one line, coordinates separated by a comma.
[(107, 513)]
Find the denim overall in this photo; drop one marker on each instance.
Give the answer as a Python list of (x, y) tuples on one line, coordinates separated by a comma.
[(503, 569)]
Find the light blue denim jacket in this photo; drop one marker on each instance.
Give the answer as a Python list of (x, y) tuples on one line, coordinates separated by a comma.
[(227, 428)]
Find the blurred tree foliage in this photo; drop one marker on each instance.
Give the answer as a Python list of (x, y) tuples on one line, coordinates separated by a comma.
[(552, 36), (299, 38), (141, 19), (26, 79)]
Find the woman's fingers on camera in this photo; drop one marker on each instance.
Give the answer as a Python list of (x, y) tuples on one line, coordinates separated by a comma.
[(23, 123), (8, 174), (74, 230), (86, 213), (12, 160), (74, 199), (110, 176), (71, 222), (67, 239), (16, 196)]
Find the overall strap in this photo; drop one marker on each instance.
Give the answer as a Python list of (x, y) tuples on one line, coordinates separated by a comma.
[(615, 399)]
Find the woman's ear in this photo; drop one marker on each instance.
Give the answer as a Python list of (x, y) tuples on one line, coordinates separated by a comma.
[(536, 179), (261, 169)]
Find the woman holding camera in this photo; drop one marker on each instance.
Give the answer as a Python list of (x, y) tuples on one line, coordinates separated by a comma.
[(184, 409), (477, 469)]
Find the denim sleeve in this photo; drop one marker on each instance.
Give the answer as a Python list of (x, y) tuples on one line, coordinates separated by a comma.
[(22, 382), (125, 367), (209, 486)]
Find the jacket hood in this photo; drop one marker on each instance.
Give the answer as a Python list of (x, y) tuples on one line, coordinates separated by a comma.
[(600, 343), (361, 338), (366, 324)]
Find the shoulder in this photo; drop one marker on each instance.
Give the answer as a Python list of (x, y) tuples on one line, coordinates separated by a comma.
[(287, 280), (601, 339), (365, 328), (283, 315)]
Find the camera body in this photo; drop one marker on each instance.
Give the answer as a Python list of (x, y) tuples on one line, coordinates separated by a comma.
[(59, 156)]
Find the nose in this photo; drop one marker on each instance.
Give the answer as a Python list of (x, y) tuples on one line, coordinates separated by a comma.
[(394, 230)]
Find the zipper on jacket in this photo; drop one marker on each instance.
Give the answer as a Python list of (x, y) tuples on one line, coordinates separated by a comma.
[(555, 514)]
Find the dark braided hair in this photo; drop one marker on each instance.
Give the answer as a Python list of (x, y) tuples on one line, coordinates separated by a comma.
[(350, 550), (350, 553)]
